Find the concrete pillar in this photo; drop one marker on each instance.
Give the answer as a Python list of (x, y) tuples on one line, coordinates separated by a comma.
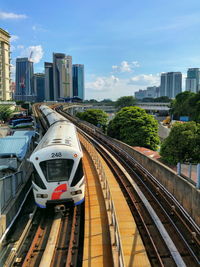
[(1, 191), (190, 170), (179, 168), (198, 176)]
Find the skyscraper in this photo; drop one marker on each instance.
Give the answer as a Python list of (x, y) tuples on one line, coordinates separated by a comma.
[(78, 81), (49, 91), (62, 75), (5, 82), (24, 80), (171, 84), (193, 80), (39, 86), (163, 84), (69, 76)]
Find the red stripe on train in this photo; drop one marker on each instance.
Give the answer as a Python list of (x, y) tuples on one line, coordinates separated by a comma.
[(58, 191)]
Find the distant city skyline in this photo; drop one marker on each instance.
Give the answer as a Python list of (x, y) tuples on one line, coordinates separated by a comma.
[(124, 46)]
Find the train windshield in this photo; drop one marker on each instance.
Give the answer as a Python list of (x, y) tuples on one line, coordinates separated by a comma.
[(56, 170)]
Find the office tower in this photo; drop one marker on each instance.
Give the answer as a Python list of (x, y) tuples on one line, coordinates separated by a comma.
[(193, 80), (49, 90), (171, 84), (69, 76), (24, 80), (150, 92), (163, 84), (39, 86), (62, 75), (5, 90), (78, 81)]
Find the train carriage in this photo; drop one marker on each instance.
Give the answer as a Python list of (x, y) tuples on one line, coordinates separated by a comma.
[(58, 173)]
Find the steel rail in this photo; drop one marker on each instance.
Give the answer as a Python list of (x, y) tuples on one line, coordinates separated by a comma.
[(193, 236), (166, 238), (126, 150)]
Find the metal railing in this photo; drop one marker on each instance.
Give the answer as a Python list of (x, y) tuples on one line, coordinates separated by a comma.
[(9, 185), (114, 228), (190, 171)]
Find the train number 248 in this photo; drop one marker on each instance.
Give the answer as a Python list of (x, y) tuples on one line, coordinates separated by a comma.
[(56, 155)]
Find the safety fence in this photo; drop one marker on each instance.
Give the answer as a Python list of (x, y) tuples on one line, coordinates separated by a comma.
[(190, 171), (9, 185), (113, 224)]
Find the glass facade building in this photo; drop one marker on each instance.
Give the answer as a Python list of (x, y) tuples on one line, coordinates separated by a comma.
[(193, 80), (49, 90), (24, 80), (62, 75), (39, 86), (171, 84), (78, 81)]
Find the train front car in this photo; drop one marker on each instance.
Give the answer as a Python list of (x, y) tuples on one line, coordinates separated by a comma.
[(58, 173)]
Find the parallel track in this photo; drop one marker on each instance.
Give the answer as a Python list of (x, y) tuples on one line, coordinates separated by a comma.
[(171, 236), (56, 242)]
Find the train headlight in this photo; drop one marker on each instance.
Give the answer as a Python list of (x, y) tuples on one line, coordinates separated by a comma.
[(76, 192), (41, 195)]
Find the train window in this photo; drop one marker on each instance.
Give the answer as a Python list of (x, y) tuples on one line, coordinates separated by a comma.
[(56, 170), (79, 174), (37, 180)]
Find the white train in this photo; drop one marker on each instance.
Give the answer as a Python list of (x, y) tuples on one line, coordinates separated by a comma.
[(58, 173)]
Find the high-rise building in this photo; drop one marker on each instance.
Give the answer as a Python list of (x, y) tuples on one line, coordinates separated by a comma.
[(49, 90), (62, 75), (140, 94), (24, 80), (150, 92), (163, 84), (171, 84), (78, 81), (39, 86), (5, 81), (69, 76), (193, 80)]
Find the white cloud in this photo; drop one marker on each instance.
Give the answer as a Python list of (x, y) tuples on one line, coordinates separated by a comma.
[(112, 87), (145, 79), (38, 28), (35, 53), (13, 69), (14, 38), (103, 83), (20, 47), (12, 48), (125, 66), (6, 15)]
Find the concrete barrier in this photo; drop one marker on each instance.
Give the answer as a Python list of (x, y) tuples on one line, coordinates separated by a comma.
[(184, 191)]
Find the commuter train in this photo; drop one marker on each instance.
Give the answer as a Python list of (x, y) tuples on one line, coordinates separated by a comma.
[(58, 176)]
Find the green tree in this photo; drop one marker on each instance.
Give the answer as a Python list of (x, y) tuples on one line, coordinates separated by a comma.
[(162, 99), (182, 144), (147, 99), (5, 113), (91, 101), (125, 101), (194, 104), (180, 106), (135, 127), (95, 116)]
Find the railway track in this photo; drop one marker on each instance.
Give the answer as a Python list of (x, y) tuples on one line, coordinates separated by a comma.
[(53, 238), (56, 240), (170, 236)]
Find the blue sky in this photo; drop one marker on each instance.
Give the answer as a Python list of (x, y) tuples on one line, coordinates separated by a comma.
[(124, 45)]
